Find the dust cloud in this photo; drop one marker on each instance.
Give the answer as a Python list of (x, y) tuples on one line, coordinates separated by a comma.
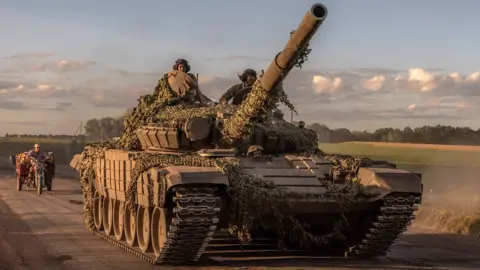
[(451, 198)]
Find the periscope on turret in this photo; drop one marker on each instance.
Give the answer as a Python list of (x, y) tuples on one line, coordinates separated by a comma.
[(185, 178)]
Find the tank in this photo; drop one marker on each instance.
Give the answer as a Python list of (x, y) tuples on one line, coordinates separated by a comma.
[(185, 180)]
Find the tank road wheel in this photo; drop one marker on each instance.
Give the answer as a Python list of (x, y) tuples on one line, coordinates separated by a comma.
[(143, 228), (98, 210), (118, 220), (108, 215), (161, 221), (130, 226)]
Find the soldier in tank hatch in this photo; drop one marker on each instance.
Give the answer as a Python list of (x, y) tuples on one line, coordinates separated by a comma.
[(184, 83), (248, 77)]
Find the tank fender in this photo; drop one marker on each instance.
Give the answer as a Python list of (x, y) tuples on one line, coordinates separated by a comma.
[(180, 175), (390, 180), (75, 162)]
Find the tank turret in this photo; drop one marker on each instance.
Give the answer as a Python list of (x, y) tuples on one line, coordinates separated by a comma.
[(256, 121)]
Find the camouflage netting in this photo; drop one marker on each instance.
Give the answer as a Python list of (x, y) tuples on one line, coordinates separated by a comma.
[(90, 154), (260, 102), (253, 199), (176, 116), (305, 140), (148, 106)]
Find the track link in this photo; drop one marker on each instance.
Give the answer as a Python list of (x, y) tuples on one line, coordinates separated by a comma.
[(193, 223), (394, 216)]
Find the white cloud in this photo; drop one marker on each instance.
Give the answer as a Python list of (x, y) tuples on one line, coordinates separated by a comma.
[(37, 91), (375, 83), (27, 56), (424, 81), (414, 79), (64, 66), (341, 98), (326, 85)]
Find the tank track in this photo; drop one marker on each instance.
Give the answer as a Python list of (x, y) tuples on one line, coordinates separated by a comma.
[(192, 227), (393, 218)]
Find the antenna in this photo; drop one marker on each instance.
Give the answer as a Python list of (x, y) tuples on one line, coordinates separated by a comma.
[(79, 130)]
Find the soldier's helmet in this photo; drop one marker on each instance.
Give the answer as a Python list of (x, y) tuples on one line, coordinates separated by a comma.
[(246, 73), (181, 61)]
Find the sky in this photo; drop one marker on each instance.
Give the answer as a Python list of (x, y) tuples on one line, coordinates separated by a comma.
[(373, 63)]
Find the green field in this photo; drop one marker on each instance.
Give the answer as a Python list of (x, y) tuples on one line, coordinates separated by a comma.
[(64, 151), (404, 153), (415, 154)]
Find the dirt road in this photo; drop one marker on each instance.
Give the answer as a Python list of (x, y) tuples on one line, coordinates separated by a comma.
[(47, 232)]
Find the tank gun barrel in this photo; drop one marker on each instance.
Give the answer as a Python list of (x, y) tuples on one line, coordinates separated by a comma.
[(257, 101), (283, 63)]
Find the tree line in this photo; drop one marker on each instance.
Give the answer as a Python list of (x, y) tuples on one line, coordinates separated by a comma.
[(110, 127), (438, 134), (43, 136), (105, 128)]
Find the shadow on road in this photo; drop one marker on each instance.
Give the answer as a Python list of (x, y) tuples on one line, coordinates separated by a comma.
[(19, 247), (413, 251)]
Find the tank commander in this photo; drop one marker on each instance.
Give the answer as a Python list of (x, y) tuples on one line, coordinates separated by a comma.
[(184, 83), (248, 78)]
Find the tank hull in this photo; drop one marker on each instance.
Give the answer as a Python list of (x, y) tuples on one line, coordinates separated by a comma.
[(183, 211)]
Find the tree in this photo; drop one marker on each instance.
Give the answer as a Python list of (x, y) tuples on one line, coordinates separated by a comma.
[(93, 129)]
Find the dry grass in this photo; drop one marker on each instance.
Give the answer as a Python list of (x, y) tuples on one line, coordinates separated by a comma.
[(444, 220), (457, 211)]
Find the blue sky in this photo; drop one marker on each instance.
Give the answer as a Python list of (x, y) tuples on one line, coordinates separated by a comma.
[(221, 38)]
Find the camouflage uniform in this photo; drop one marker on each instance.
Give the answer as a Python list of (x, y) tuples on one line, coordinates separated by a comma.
[(232, 91)]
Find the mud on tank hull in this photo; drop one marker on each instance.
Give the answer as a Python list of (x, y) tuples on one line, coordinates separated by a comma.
[(182, 211)]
